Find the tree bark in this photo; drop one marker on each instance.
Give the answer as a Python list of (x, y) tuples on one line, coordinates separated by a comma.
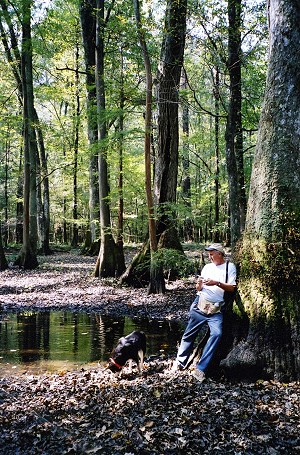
[(88, 25), (156, 282), (166, 166), (186, 179), (27, 257), (43, 184), (120, 230), (15, 59), (216, 235), (106, 262), (3, 261), (234, 138), (270, 253), (20, 202), (76, 117)]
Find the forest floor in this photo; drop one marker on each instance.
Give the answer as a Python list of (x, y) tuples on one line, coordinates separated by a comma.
[(92, 411)]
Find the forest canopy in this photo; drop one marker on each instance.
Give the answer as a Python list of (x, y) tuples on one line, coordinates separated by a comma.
[(65, 150)]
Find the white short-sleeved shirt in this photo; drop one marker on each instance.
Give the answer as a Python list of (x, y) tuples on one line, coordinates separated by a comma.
[(218, 273)]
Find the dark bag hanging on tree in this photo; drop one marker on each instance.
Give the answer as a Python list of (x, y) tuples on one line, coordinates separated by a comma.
[(229, 297)]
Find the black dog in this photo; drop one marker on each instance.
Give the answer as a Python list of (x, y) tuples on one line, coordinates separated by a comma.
[(131, 347)]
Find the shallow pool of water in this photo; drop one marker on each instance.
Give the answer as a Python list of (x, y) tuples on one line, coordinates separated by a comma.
[(59, 341)]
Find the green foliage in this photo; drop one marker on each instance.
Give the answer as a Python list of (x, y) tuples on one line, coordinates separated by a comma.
[(56, 35), (174, 261)]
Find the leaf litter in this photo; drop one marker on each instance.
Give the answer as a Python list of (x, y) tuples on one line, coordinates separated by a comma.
[(92, 411)]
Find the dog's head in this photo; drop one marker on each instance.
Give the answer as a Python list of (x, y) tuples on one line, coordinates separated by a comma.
[(119, 356), (127, 348), (113, 366)]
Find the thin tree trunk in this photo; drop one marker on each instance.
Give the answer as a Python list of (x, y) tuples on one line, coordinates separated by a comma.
[(217, 155), (186, 179), (39, 203), (106, 262), (234, 141), (3, 261), (20, 202), (74, 241), (65, 223), (43, 182), (157, 282), (6, 201), (120, 244), (88, 25)]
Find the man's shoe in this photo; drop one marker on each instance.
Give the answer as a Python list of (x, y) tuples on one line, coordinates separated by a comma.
[(198, 374)]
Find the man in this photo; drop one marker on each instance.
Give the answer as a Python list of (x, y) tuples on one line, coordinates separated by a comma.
[(207, 308)]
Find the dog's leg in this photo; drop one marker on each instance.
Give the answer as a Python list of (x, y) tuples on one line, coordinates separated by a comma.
[(140, 361)]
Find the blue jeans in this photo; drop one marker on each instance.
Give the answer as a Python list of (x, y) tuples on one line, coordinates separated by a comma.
[(196, 321)]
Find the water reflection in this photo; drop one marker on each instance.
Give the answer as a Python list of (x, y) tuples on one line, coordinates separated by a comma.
[(55, 340)]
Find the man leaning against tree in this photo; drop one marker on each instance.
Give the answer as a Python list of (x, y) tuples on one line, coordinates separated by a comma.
[(207, 309)]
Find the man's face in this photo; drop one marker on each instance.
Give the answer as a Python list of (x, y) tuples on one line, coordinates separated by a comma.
[(215, 256)]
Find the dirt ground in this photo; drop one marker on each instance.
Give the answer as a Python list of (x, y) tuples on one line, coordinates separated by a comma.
[(93, 411)]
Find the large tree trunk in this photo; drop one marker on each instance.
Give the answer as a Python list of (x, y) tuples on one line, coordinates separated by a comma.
[(270, 254), (166, 166), (27, 257)]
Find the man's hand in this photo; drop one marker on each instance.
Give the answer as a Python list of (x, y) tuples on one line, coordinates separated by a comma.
[(210, 282), (199, 283)]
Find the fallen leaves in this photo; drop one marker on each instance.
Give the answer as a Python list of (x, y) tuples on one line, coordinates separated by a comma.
[(152, 414), (95, 412), (71, 275)]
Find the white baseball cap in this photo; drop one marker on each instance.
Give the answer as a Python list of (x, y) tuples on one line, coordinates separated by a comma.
[(215, 246)]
